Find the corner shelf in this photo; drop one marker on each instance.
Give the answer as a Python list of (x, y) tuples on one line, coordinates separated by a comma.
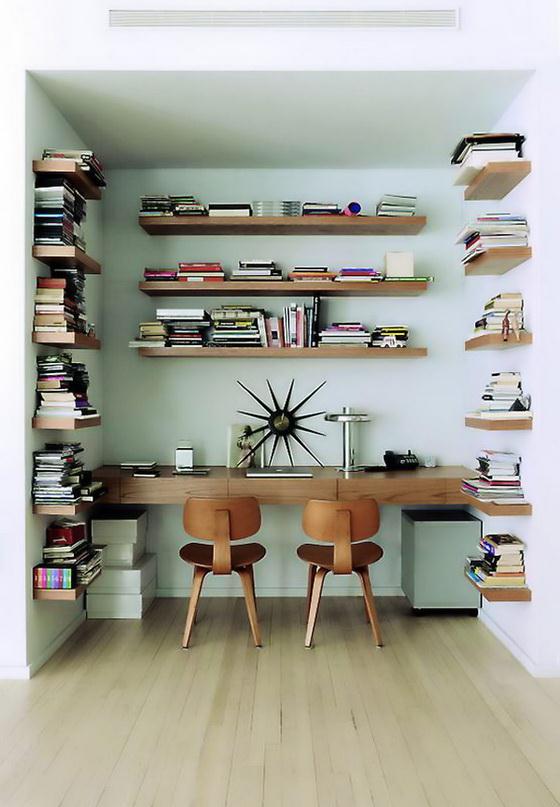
[(498, 261), (499, 594), (283, 288), (66, 256), (63, 509), (496, 342), (65, 423), (282, 225), (499, 425), (497, 179), (492, 509), (284, 352), (70, 170), (71, 339), (61, 594)]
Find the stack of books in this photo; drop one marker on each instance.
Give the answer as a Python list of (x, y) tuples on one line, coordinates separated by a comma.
[(62, 388), (240, 210), (474, 151), (503, 398), (187, 206), (345, 334), (155, 205), (360, 274), (57, 474), (159, 274), (68, 557), (321, 209), (185, 327), (307, 274), (142, 470), (238, 325), (91, 490), (257, 270), (200, 272), (502, 564), (284, 208), (498, 481), (60, 211), (493, 230), (390, 336), (501, 313), (150, 334), (60, 302), (85, 158), (395, 205)]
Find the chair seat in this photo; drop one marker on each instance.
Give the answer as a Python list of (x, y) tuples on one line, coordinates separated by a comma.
[(363, 554), (201, 555)]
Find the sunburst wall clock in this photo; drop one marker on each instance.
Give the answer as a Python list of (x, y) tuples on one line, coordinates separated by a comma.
[(282, 423)]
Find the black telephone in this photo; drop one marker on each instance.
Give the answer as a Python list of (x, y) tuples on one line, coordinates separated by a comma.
[(400, 462)]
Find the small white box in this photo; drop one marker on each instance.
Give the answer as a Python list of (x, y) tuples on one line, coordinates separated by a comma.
[(120, 606), (184, 458), (124, 554), (399, 264), (125, 525), (125, 580)]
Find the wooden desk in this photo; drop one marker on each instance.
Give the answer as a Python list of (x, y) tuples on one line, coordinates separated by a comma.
[(423, 486)]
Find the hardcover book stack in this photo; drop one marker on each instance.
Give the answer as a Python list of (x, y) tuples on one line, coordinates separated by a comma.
[(257, 270), (62, 388), (307, 274), (498, 481), (359, 274), (395, 205), (60, 302), (57, 474), (236, 210), (300, 325), (284, 208), (503, 398), (200, 272), (493, 231), (69, 560), (390, 336), (474, 151), (238, 325), (142, 470), (155, 205), (321, 209), (185, 327), (187, 206), (150, 334), (502, 313), (85, 158), (502, 564), (60, 211), (151, 274), (345, 334)]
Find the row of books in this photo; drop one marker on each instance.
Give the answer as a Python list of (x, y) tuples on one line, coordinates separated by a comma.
[(498, 480), (62, 386), (60, 302), (473, 152), (59, 476), (84, 158), (69, 558), (59, 213), (501, 563), (502, 314), (503, 398), (493, 231)]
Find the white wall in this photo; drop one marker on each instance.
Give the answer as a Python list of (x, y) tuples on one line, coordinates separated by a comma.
[(150, 404)]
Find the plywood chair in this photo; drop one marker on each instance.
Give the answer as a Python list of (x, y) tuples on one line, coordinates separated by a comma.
[(345, 525), (222, 521)]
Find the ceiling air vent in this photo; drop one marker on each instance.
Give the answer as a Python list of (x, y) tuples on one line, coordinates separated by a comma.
[(394, 18)]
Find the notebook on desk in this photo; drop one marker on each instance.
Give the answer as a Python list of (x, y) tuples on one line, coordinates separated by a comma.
[(279, 471)]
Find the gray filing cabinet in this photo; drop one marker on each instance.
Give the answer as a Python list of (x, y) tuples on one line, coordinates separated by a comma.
[(435, 544)]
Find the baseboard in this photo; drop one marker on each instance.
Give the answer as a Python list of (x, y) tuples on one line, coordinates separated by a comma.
[(21, 673), (296, 591), (536, 670), (57, 642)]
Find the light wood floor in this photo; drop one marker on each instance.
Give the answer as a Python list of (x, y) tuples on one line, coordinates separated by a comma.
[(442, 716)]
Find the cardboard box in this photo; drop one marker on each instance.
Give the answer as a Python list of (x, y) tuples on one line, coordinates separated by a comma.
[(120, 606), (121, 525), (125, 580)]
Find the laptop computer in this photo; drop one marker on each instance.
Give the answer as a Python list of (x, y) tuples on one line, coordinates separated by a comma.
[(279, 471)]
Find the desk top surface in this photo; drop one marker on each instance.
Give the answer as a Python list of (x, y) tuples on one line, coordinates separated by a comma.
[(328, 472)]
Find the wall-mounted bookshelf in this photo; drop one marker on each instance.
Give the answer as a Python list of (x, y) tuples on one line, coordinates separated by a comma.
[(66, 256), (62, 594), (71, 171), (283, 288), (500, 594), (492, 509), (71, 339), (496, 341), (497, 179), (284, 353), (497, 261), (63, 509), (66, 424), (282, 225), (499, 425)]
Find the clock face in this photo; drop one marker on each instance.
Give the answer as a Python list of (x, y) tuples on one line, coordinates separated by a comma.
[(281, 423)]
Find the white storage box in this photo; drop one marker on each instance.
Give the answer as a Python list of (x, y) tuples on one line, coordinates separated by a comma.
[(124, 554), (125, 580), (120, 606), (399, 264), (123, 525)]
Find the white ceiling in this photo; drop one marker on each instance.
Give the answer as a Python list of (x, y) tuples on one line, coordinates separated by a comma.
[(279, 119)]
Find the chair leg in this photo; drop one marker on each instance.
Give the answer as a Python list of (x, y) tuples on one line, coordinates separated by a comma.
[(319, 579), (246, 579), (198, 578), (310, 578), (252, 575), (363, 574)]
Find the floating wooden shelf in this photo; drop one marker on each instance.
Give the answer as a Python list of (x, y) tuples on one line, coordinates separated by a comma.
[(284, 352), (496, 342), (63, 509), (497, 179), (70, 170), (66, 424), (282, 225), (282, 288), (499, 594), (62, 594), (71, 339), (66, 256), (499, 425), (498, 261), (492, 509)]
